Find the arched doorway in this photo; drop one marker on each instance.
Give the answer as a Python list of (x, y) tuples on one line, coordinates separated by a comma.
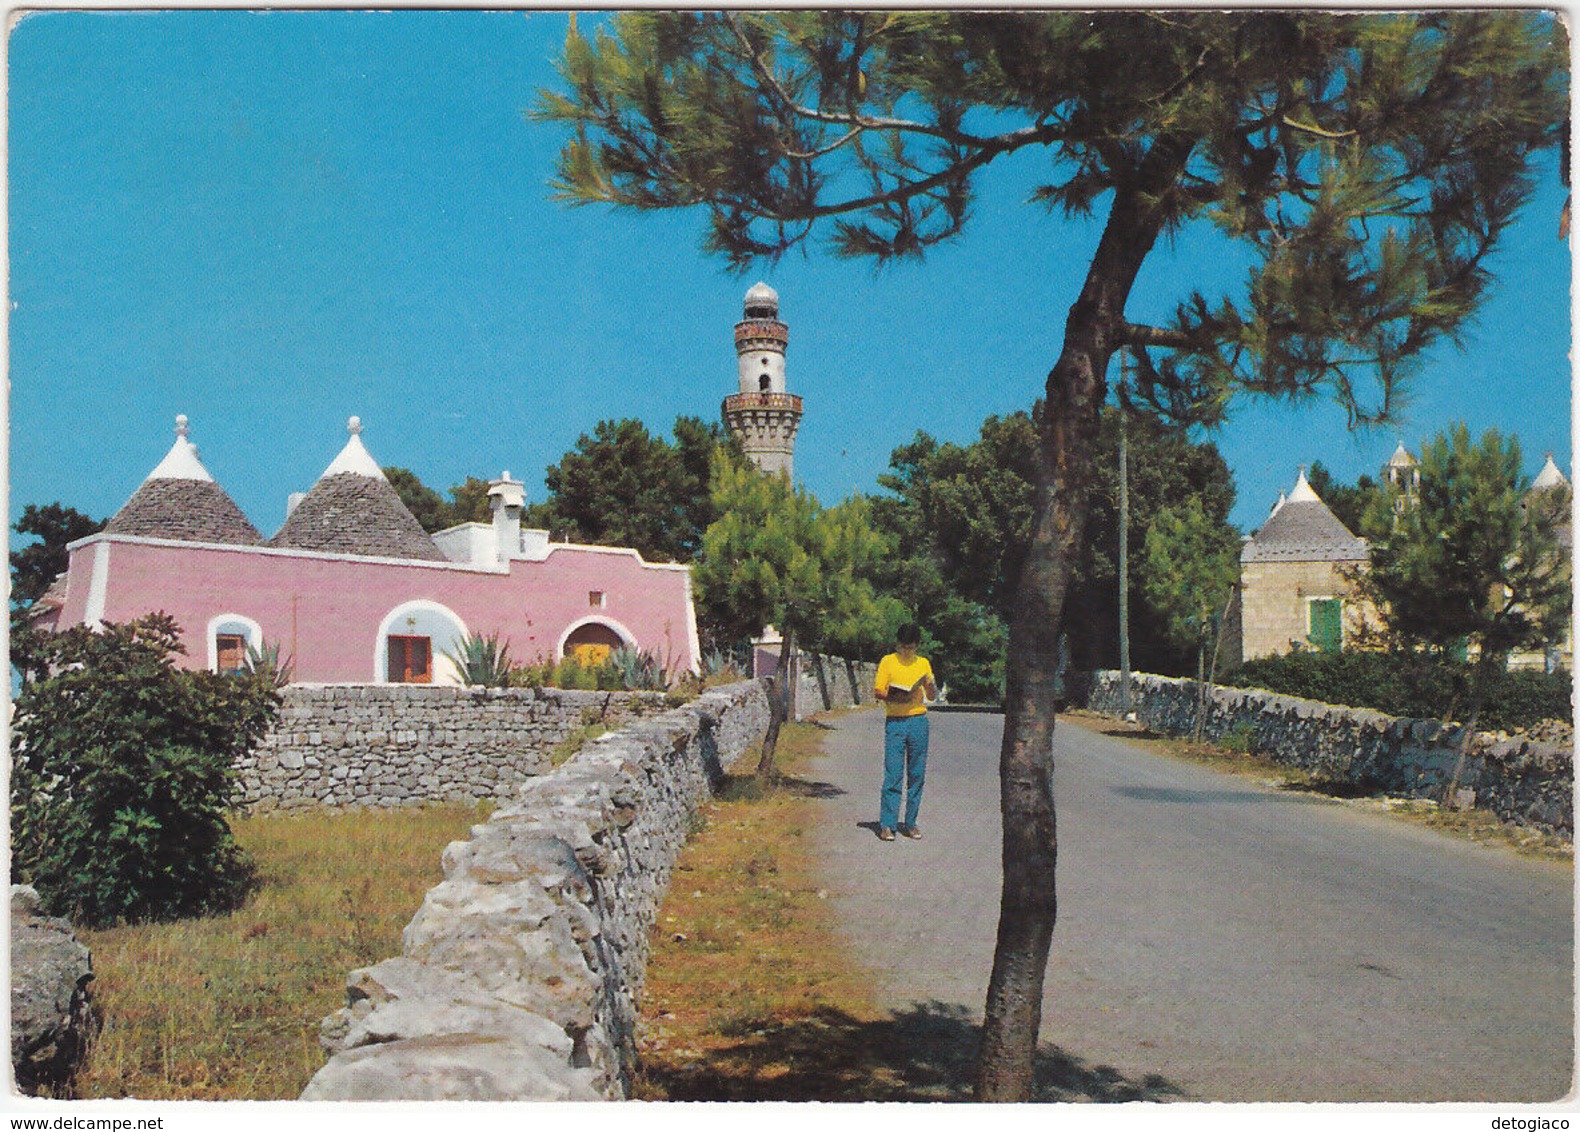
[(591, 642), (412, 641)]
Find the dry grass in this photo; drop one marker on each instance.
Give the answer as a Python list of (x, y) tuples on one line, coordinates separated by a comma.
[(1473, 825), (747, 975), (227, 1007)]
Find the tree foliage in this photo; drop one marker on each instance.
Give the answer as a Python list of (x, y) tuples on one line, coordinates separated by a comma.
[(121, 773), (1473, 558), (468, 502), (35, 566), (1370, 160), (1369, 163), (623, 486), (969, 507), (427, 506), (1471, 561), (967, 511), (776, 556), (1189, 567)]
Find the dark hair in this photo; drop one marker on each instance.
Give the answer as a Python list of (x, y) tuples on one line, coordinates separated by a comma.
[(908, 634)]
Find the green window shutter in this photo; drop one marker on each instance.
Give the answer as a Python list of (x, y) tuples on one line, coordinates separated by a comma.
[(1326, 631)]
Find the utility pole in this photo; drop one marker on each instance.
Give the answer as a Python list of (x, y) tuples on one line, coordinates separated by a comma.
[(1124, 555)]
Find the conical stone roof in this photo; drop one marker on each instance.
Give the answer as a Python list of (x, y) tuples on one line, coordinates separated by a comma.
[(352, 509), (1303, 529), (180, 500), (1549, 477)]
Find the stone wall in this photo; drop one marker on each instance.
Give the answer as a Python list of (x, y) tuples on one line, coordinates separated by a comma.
[(847, 683), (1522, 781), (518, 976), (404, 744)]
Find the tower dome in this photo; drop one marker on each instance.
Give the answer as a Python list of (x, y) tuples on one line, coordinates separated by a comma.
[(762, 301)]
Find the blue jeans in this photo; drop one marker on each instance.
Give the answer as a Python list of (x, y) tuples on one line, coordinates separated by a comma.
[(904, 762)]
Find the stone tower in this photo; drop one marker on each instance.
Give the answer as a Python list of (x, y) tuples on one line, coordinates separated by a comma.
[(762, 414)]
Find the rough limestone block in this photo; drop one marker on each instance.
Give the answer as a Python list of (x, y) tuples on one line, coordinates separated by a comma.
[(52, 1013), (452, 1068)]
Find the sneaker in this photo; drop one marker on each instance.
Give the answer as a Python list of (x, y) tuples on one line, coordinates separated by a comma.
[(885, 835), (914, 832)]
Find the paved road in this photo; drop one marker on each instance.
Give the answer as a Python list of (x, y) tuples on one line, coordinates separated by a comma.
[(1217, 939)]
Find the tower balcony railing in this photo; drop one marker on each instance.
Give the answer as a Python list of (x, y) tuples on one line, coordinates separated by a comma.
[(738, 402), (771, 329)]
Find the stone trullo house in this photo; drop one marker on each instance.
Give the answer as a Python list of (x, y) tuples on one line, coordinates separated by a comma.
[(351, 588), (1293, 589), (1296, 569)]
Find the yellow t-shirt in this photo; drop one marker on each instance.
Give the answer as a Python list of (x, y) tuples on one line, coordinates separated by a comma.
[(892, 671)]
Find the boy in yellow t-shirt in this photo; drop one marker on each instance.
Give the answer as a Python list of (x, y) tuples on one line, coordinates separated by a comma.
[(904, 683)]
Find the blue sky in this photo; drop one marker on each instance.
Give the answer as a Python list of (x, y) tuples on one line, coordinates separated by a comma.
[(272, 221)]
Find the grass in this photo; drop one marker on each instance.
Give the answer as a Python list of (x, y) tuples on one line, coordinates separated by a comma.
[(227, 1007), (746, 977), (1472, 825), (568, 747)]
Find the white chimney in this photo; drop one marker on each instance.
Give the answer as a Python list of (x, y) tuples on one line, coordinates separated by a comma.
[(506, 497)]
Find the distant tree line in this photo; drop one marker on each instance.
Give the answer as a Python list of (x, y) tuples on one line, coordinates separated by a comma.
[(949, 523)]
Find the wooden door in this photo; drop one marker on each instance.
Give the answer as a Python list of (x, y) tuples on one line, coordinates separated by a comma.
[(410, 660)]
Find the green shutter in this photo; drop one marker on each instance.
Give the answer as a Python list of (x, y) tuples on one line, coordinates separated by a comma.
[(1327, 624)]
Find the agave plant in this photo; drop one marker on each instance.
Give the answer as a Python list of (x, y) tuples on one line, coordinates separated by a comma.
[(266, 662), (481, 660), (721, 664), (639, 670)]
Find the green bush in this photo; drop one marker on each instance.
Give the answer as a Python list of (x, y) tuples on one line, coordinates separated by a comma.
[(1408, 684), (121, 773)]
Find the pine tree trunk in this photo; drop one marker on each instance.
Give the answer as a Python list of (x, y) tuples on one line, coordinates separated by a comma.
[(1201, 689), (822, 680), (1478, 699), (778, 708), (1076, 388), (855, 685), (1217, 643)]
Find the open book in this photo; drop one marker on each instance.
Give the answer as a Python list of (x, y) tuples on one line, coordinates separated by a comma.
[(900, 691)]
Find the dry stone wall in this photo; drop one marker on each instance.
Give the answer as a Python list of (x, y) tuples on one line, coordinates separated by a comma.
[(1519, 780), (518, 977), (845, 683), (404, 744)]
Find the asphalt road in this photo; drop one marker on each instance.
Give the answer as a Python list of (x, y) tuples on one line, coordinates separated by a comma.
[(1218, 939)]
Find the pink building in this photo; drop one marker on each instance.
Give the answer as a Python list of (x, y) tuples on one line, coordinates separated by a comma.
[(351, 587)]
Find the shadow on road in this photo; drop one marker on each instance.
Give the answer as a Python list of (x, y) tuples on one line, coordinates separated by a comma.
[(1189, 797), (738, 787), (924, 1053)]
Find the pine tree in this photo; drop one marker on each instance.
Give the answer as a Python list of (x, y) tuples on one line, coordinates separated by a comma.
[(1471, 563), (1370, 162), (776, 556)]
